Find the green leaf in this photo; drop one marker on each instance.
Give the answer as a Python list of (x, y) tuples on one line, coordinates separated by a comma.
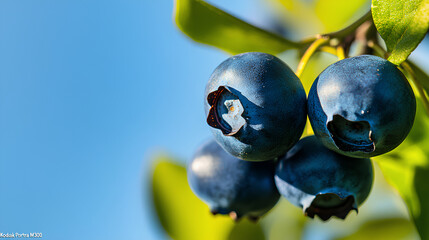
[(183, 216), (335, 14), (402, 25), (246, 231), (420, 76), (407, 169), (392, 229), (298, 16), (285, 221), (207, 24)]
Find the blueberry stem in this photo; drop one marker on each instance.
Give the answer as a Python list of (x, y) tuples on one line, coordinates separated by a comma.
[(329, 49), (340, 52), (378, 49), (308, 53), (336, 43)]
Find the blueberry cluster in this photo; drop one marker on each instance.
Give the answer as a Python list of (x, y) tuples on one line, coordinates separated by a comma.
[(257, 108)]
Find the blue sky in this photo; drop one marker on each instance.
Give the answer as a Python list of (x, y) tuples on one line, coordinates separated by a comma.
[(90, 91)]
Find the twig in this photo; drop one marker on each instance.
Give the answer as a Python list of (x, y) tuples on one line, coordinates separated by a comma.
[(308, 53)]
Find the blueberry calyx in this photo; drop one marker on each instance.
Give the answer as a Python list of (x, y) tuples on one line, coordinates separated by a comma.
[(326, 205), (225, 111), (351, 136)]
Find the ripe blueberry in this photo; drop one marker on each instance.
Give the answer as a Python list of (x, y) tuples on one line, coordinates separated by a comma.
[(361, 106), (256, 106), (323, 182), (230, 185)]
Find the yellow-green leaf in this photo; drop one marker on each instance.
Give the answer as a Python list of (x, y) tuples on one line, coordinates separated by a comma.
[(207, 24), (391, 228), (246, 230), (407, 169), (402, 25), (420, 76), (285, 221), (335, 14)]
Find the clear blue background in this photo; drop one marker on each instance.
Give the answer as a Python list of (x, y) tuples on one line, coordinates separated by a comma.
[(90, 91)]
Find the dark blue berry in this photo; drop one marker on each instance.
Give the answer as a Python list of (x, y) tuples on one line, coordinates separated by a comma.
[(256, 106), (361, 106), (321, 181), (230, 185)]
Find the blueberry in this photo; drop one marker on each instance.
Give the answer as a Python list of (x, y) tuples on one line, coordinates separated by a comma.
[(230, 185), (321, 181), (361, 106), (256, 106)]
